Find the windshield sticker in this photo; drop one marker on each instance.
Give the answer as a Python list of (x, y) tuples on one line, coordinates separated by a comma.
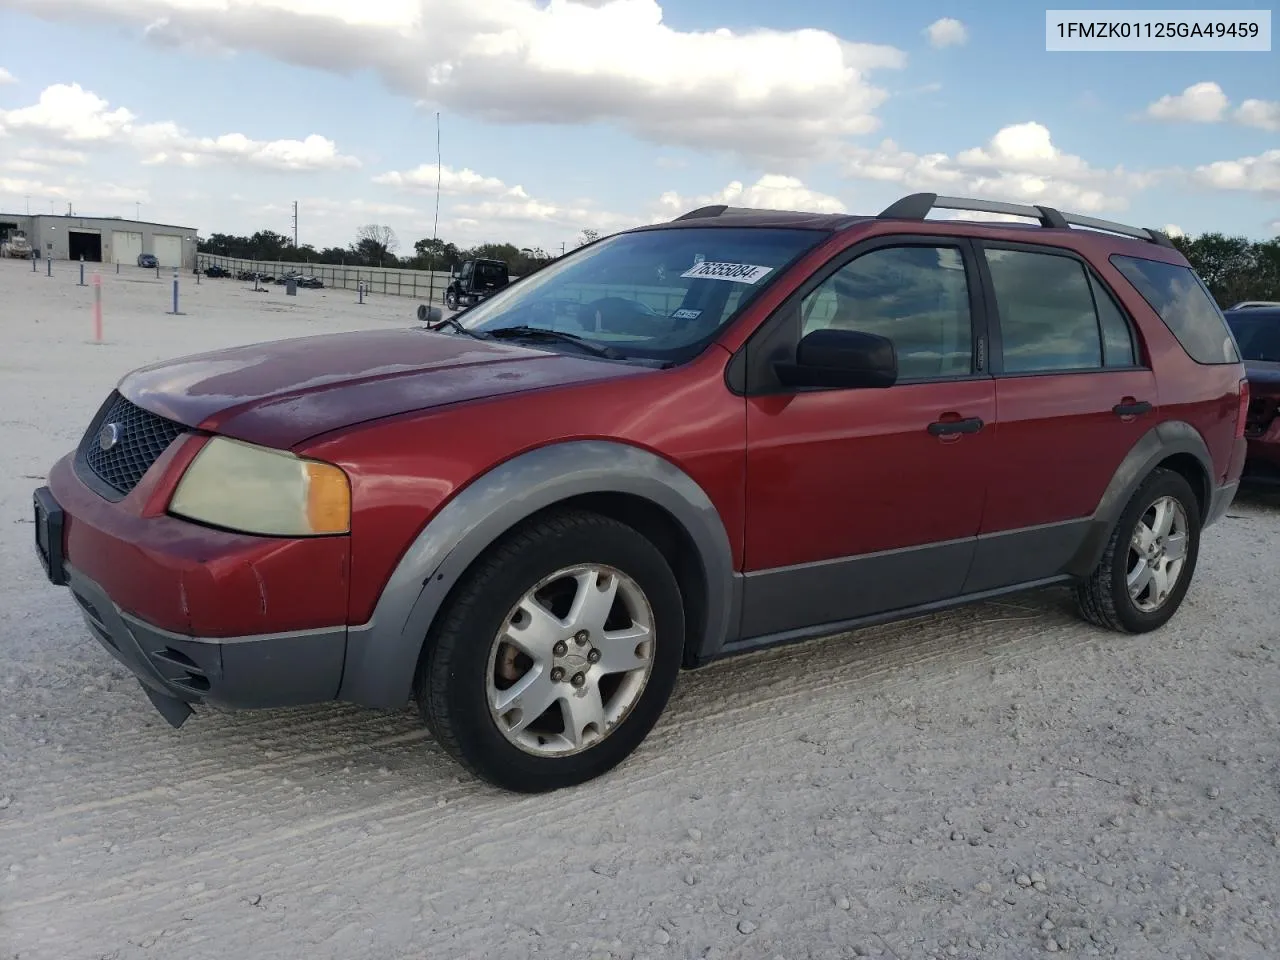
[(683, 314), (735, 272)]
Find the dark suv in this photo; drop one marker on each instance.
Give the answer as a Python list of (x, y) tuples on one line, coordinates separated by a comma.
[(678, 443), (1256, 327)]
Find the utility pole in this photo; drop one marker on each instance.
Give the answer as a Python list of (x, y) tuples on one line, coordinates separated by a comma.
[(295, 224), (435, 225)]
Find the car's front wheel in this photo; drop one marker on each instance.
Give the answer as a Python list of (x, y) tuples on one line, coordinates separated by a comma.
[(1149, 561), (557, 654)]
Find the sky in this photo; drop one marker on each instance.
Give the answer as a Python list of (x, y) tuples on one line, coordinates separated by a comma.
[(557, 116)]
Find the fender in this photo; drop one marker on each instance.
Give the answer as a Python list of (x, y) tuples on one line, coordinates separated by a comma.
[(1164, 440), (382, 655)]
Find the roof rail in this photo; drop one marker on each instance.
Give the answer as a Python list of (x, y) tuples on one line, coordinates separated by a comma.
[(1250, 304), (917, 206)]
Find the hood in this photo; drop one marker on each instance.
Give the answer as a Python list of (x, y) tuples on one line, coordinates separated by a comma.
[(1264, 377), (283, 392)]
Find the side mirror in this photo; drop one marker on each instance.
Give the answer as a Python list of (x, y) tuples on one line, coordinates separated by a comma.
[(429, 314), (841, 358)]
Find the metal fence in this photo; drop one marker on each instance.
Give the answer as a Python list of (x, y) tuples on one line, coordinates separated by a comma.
[(385, 280)]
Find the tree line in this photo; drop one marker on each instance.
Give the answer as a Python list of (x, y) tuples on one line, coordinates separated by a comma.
[(376, 245), (1234, 268)]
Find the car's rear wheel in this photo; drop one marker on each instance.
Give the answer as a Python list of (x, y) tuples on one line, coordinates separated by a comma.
[(1149, 561), (557, 654)]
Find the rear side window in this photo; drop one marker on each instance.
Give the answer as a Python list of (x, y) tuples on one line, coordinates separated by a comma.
[(1047, 318), (1178, 297)]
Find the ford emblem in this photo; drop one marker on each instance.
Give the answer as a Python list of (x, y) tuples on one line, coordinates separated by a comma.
[(109, 436)]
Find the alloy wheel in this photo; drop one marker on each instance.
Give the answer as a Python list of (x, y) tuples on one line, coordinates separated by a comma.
[(1157, 554), (571, 660)]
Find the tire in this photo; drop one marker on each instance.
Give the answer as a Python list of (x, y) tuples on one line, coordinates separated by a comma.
[(470, 654), (1104, 598), (451, 300)]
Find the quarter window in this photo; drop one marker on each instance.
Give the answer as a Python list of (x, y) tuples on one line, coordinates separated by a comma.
[(1176, 294), (916, 296)]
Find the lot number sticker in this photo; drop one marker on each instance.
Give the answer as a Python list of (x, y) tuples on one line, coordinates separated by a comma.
[(685, 314), (736, 272)]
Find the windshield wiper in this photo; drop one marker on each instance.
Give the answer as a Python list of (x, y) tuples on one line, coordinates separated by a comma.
[(450, 322), (511, 333)]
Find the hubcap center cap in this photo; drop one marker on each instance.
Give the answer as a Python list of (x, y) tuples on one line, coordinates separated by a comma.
[(573, 656)]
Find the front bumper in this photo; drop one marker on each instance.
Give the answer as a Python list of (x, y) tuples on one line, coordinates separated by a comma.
[(176, 671), (177, 668)]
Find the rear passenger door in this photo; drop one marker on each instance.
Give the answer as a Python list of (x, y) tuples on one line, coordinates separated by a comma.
[(1073, 395)]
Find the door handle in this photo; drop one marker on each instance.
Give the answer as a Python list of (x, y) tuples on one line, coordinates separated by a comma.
[(1131, 408), (946, 428)]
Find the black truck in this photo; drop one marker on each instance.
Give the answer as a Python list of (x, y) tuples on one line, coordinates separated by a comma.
[(476, 280)]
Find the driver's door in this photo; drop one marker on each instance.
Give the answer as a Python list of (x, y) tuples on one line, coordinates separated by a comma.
[(861, 501)]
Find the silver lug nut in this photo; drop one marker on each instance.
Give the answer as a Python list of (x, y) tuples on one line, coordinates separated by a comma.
[(593, 656), (578, 679), (560, 649), (581, 637), (557, 674)]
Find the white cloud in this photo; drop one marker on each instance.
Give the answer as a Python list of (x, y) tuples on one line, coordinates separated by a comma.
[(89, 196), (1206, 102), (1260, 174), (1173, 230), (1020, 164), (1199, 103), (1259, 113), (53, 157), (771, 192), (452, 182), (6, 77), (67, 113), (759, 92), (946, 32)]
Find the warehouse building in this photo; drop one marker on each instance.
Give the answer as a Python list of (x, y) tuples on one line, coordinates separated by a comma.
[(103, 239)]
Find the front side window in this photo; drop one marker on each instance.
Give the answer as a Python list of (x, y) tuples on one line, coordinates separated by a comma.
[(1178, 297), (916, 296), (1046, 310), (653, 294)]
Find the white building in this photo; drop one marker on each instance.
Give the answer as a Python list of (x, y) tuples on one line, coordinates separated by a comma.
[(103, 239)]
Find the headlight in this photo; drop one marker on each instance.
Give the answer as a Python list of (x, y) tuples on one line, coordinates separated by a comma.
[(252, 489)]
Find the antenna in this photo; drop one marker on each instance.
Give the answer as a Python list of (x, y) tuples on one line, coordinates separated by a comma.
[(431, 261)]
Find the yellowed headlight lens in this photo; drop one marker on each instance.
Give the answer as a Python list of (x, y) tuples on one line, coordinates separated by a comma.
[(253, 489)]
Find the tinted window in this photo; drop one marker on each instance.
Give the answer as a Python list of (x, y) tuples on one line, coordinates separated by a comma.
[(918, 297), (1181, 301), (1047, 318), (1117, 337), (1258, 334), (653, 294)]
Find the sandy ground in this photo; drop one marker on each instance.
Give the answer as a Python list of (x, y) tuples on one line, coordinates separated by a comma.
[(997, 782)]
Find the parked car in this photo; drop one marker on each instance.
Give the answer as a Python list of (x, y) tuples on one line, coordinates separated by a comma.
[(683, 442), (213, 270), (476, 281), (1256, 328), (148, 260)]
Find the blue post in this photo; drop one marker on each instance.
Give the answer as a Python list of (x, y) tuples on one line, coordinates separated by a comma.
[(34, 258), (117, 268), (82, 271), (49, 263), (360, 289), (175, 291)]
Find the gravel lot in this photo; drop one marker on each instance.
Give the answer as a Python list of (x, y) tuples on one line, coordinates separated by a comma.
[(996, 782)]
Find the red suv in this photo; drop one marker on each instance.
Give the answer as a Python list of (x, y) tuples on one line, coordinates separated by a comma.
[(681, 442)]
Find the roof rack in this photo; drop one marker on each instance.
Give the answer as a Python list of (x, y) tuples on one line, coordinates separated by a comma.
[(1251, 304), (917, 206)]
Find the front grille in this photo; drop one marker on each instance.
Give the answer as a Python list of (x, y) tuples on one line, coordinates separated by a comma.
[(140, 438)]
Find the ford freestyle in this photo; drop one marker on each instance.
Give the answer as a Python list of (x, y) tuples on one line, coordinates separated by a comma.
[(680, 442)]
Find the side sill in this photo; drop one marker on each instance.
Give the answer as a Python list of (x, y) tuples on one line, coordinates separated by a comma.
[(785, 638)]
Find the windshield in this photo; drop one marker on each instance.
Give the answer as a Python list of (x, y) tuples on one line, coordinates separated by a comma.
[(1257, 334), (653, 294)]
